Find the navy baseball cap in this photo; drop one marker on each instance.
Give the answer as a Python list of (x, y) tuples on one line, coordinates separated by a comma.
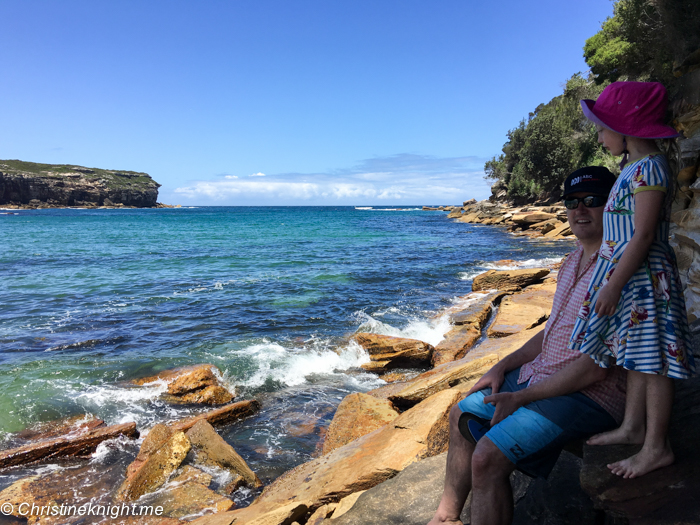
[(596, 180)]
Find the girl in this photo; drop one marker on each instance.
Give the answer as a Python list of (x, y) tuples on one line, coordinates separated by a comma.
[(634, 313)]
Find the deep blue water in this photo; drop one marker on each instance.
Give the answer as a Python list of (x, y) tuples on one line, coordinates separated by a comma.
[(90, 298)]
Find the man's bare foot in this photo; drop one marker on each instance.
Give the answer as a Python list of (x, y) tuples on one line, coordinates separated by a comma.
[(619, 436), (643, 462)]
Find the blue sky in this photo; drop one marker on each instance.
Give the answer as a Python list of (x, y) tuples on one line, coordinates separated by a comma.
[(294, 102)]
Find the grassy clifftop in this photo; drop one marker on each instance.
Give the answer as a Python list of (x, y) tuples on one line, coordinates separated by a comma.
[(112, 179), (31, 184)]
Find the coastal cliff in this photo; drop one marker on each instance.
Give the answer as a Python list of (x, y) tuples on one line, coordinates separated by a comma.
[(29, 184)]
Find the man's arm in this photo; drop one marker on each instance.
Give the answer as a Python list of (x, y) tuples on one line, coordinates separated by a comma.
[(526, 353), (577, 375)]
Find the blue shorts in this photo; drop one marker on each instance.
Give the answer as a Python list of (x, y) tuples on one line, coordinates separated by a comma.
[(534, 435)]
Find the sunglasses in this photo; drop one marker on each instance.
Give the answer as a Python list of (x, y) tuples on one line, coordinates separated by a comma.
[(589, 201)]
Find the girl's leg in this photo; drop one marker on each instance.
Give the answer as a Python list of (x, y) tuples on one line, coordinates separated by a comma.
[(656, 451), (633, 425)]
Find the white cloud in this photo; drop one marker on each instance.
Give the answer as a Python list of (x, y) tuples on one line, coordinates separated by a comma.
[(230, 177), (400, 179)]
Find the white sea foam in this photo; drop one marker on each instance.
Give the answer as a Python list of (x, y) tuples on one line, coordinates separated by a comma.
[(291, 366), (429, 330), (515, 265), (395, 209), (529, 263), (118, 404), (110, 447)]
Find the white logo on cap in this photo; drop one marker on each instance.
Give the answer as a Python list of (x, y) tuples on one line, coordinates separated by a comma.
[(581, 178)]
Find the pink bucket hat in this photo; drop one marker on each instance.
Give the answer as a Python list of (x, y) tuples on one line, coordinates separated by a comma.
[(633, 109)]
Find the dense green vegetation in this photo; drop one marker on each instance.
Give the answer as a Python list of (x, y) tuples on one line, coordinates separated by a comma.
[(643, 40), (111, 178)]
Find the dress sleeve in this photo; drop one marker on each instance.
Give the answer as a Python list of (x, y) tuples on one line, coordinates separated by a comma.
[(651, 175)]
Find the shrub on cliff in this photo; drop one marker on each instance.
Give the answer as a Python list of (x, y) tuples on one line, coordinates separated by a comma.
[(644, 40), (554, 141)]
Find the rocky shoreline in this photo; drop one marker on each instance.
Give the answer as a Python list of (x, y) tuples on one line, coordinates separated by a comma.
[(383, 454), (531, 221)]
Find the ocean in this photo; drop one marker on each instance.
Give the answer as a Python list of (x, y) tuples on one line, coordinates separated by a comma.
[(90, 299)]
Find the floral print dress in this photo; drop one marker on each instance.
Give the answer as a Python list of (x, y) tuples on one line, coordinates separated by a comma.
[(649, 330)]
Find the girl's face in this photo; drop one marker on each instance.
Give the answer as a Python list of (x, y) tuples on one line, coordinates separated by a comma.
[(612, 141)]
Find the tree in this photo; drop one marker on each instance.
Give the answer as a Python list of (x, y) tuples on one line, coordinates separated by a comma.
[(555, 140), (630, 45)]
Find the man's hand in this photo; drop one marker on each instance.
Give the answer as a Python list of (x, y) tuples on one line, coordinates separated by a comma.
[(506, 403), (492, 379)]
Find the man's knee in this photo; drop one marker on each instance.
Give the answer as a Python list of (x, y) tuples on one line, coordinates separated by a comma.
[(489, 462), (455, 414)]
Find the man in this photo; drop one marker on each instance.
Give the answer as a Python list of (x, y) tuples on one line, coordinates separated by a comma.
[(523, 411)]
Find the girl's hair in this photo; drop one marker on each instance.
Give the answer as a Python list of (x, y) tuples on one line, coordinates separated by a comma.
[(672, 152)]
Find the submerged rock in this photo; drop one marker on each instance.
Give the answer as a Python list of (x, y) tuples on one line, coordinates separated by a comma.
[(220, 416), (59, 427), (67, 490), (78, 443)]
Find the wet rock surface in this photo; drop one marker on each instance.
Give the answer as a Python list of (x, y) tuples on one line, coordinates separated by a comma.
[(220, 416), (212, 450), (77, 443), (195, 384), (161, 454), (189, 499)]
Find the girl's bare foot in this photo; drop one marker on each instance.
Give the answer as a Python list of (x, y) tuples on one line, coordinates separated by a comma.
[(438, 521), (643, 462), (619, 436)]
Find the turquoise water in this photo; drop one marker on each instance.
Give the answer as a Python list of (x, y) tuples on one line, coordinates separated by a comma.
[(92, 298)]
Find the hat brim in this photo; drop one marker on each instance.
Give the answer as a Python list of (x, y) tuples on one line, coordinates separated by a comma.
[(658, 131)]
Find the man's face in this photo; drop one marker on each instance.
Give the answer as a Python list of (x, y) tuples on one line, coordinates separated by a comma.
[(586, 223)]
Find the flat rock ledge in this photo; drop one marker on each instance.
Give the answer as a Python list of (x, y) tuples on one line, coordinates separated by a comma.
[(508, 279), (386, 351), (667, 496)]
